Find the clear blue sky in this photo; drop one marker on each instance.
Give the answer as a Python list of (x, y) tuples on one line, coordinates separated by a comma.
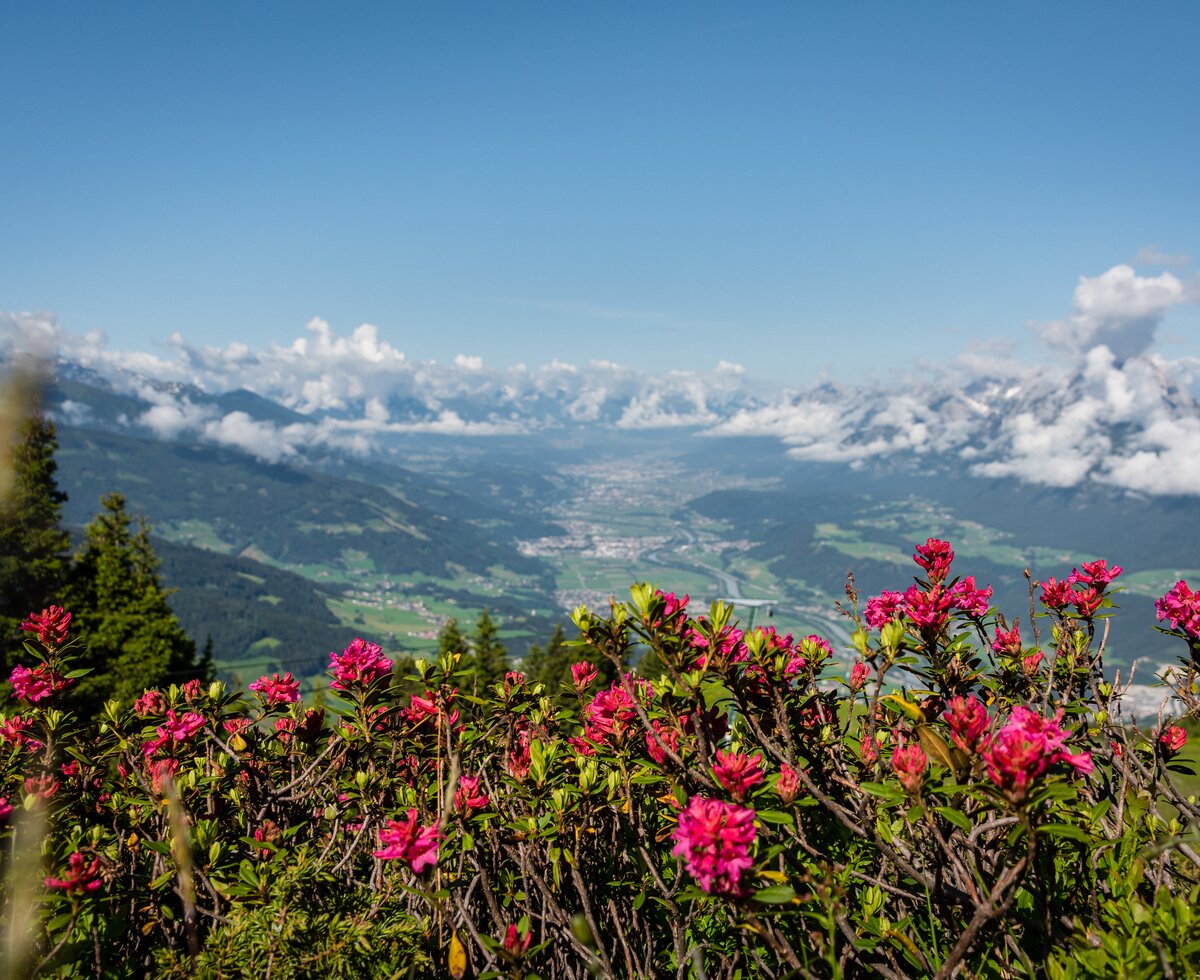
[(790, 186)]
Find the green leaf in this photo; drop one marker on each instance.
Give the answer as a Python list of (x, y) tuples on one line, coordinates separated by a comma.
[(775, 895), (956, 817), (1064, 830), (776, 817)]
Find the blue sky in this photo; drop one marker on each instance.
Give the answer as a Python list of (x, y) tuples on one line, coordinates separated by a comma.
[(798, 188)]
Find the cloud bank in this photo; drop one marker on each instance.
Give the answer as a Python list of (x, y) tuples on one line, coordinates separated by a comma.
[(1103, 408)]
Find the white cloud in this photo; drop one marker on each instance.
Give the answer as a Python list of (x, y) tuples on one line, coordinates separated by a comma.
[(1112, 413), (1118, 309)]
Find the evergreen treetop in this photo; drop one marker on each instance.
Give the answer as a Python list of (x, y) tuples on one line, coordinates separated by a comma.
[(34, 548)]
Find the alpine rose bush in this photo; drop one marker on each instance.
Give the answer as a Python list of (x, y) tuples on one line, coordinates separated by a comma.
[(942, 796)]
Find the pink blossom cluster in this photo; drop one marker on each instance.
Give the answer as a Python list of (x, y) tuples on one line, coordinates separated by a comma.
[(612, 711), (421, 709), (407, 840), (469, 796), (14, 731), (175, 730), (738, 773), (674, 611), (51, 626), (1008, 642), (787, 785), (82, 875), (860, 673), (276, 690), (928, 608), (360, 663), (37, 684), (583, 673), (1025, 748), (1181, 608), (1172, 739), (150, 704), (935, 557), (909, 763), (663, 735), (714, 839), (1082, 589), (514, 946), (729, 648), (968, 720)]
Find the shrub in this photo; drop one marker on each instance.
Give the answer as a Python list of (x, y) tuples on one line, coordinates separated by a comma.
[(963, 800)]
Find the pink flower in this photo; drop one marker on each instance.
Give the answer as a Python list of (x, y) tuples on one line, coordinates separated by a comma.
[(5, 808), (868, 749), (421, 709), (1025, 748), (1056, 595), (43, 787), (520, 758), (406, 840), (1008, 643), (612, 711), (909, 762), (935, 557), (235, 726), (193, 690), (151, 703), (666, 735), (161, 771), (51, 626), (883, 609), (13, 732), (360, 663), (82, 875), (674, 610), (929, 610), (729, 648), (277, 690), (1095, 573), (1033, 662), (468, 796), (1086, 601), (583, 673), (515, 945), (181, 729), (968, 720), (1172, 739), (1181, 608), (970, 600), (512, 680), (714, 840), (860, 673), (37, 684), (787, 786), (737, 772)]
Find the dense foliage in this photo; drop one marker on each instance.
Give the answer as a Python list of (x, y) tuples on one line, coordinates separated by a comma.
[(34, 547), (964, 799)]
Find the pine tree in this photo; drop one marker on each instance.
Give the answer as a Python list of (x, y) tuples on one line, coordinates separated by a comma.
[(489, 658), (451, 640), (34, 548), (133, 639)]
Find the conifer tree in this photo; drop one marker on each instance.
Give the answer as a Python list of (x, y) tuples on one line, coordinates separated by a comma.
[(489, 658), (133, 639), (451, 640), (34, 548)]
